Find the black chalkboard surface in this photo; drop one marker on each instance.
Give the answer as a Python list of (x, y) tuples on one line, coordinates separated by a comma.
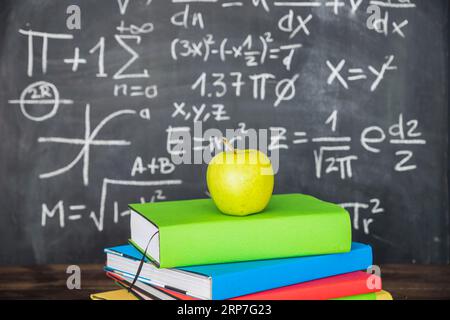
[(352, 94)]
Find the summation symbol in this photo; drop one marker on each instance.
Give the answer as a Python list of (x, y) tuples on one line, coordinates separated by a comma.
[(41, 93), (86, 143)]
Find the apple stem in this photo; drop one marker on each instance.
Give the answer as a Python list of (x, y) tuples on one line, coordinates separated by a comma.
[(228, 144)]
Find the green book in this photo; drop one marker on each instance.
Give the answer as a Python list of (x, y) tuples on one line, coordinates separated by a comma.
[(365, 296), (194, 232)]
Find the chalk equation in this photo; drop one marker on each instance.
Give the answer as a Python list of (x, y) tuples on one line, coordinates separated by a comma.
[(65, 213), (332, 155), (127, 74), (301, 14), (40, 95)]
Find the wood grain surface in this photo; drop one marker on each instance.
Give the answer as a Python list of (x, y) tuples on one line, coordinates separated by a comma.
[(49, 282)]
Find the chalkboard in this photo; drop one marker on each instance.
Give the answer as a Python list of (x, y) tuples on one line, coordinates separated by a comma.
[(95, 94)]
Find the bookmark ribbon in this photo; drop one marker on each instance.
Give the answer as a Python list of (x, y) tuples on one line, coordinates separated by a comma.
[(141, 263)]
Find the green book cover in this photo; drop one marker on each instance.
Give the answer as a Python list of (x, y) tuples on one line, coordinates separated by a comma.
[(195, 232), (360, 297)]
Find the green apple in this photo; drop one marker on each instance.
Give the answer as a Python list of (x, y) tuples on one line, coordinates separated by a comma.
[(240, 181)]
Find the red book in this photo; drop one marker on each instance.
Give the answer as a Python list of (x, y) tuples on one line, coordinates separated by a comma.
[(344, 285)]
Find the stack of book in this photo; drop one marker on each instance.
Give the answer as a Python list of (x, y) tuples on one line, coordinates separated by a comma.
[(299, 248)]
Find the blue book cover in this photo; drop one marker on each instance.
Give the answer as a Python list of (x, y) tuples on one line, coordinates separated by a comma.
[(237, 279)]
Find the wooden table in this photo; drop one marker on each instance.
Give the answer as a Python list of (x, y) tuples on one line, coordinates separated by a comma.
[(49, 282)]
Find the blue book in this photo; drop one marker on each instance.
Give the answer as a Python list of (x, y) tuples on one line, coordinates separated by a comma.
[(229, 280)]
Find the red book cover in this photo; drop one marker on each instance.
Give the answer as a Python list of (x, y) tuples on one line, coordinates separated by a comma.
[(344, 285)]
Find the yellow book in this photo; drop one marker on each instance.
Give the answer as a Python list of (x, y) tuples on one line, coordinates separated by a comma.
[(384, 295), (122, 294)]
